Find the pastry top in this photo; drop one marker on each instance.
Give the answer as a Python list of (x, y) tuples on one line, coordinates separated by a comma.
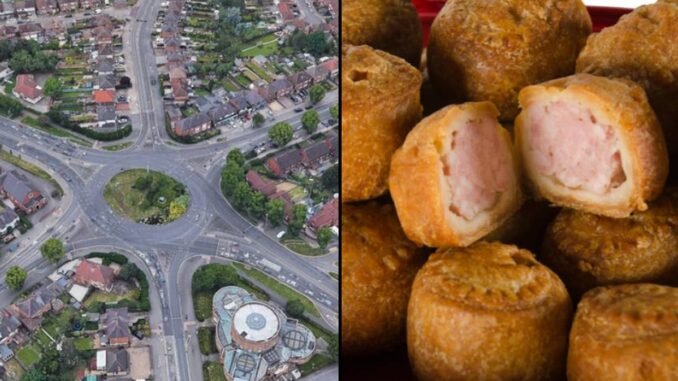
[(374, 246), (389, 25), (489, 276), (373, 78), (591, 241), (641, 46), (502, 46), (628, 312)]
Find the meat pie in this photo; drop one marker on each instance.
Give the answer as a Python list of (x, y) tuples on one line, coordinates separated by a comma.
[(591, 143), (455, 178)]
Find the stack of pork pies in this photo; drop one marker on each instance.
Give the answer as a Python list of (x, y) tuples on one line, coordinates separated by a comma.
[(541, 117)]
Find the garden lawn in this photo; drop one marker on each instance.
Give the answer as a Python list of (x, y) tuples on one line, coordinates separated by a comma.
[(229, 85), (315, 363), (83, 343), (59, 324), (43, 339), (303, 248), (213, 371), (206, 339), (279, 288), (29, 355), (107, 297), (259, 71), (202, 304)]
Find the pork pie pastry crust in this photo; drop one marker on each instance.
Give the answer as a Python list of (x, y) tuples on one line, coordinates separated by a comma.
[(455, 178), (626, 333), (378, 266), (487, 312), (389, 25), (587, 250), (379, 105), (489, 50), (591, 143), (642, 47)]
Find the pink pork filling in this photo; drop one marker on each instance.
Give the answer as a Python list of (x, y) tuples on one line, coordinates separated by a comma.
[(567, 143), (478, 168)]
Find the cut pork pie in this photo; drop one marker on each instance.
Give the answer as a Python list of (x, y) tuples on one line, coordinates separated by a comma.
[(455, 178), (591, 143)]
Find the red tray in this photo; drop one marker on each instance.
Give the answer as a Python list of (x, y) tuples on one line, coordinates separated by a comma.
[(395, 366)]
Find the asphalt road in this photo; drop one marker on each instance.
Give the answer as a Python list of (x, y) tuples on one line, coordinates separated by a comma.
[(167, 252)]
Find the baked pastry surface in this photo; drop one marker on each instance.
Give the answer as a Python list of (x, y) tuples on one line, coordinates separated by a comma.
[(380, 104), (487, 312), (378, 266)]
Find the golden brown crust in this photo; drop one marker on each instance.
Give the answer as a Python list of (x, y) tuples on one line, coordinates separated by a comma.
[(626, 103), (379, 105), (415, 186), (489, 50), (626, 332), (487, 312), (587, 250), (377, 269), (641, 47), (389, 25)]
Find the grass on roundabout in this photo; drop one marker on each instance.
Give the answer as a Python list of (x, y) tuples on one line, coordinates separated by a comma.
[(145, 205)]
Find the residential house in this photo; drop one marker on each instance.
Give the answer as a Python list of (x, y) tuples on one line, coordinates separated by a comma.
[(177, 73), (25, 198), (7, 11), (318, 73), (173, 113), (193, 125), (103, 35), (89, 4), (175, 59), (180, 91), (5, 71), (27, 89), (105, 50), (25, 8), (106, 82), (105, 115), (333, 143), (7, 32), (239, 102), (288, 206), (284, 12), (9, 326), (300, 80), (332, 65), (6, 353), (169, 31), (31, 31), (55, 30), (93, 274), (117, 362), (327, 216), (259, 183), (104, 66), (30, 310), (285, 162), (222, 113), (103, 97), (46, 7), (67, 5), (276, 89), (9, 220), (316, 154), (116, 326)]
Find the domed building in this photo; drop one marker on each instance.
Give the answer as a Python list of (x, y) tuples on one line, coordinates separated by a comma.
[(256, 340)]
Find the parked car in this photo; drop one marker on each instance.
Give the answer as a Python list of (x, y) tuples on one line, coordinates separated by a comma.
[(308, 107), (298, 109)]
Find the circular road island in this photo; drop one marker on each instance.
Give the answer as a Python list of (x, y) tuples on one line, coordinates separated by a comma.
[(147, 197)]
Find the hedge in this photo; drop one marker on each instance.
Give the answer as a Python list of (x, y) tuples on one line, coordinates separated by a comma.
[(109, 258), (61, 119)]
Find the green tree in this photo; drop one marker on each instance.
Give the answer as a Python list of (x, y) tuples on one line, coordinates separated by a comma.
[(334, 111), (53, 250), (242, 196), (295, 308), (34, 374), (128, 271), (316, 93), (324, 236), (316, 43), (258, 119), (53, 87), (143, 182), (310, 121), (236, 155), (330, 178), (298, 219), (333, 347), (281, 133), (210, 278), (176, 210), (275, 211), (231, 175), (298, 40), (69, 355), (15, 278), (257, 207)]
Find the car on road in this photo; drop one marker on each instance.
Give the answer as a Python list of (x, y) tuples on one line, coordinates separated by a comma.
[(87, 14), (282, 233), (298, 109), (308, 107), (332, 122), (153, 81)]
